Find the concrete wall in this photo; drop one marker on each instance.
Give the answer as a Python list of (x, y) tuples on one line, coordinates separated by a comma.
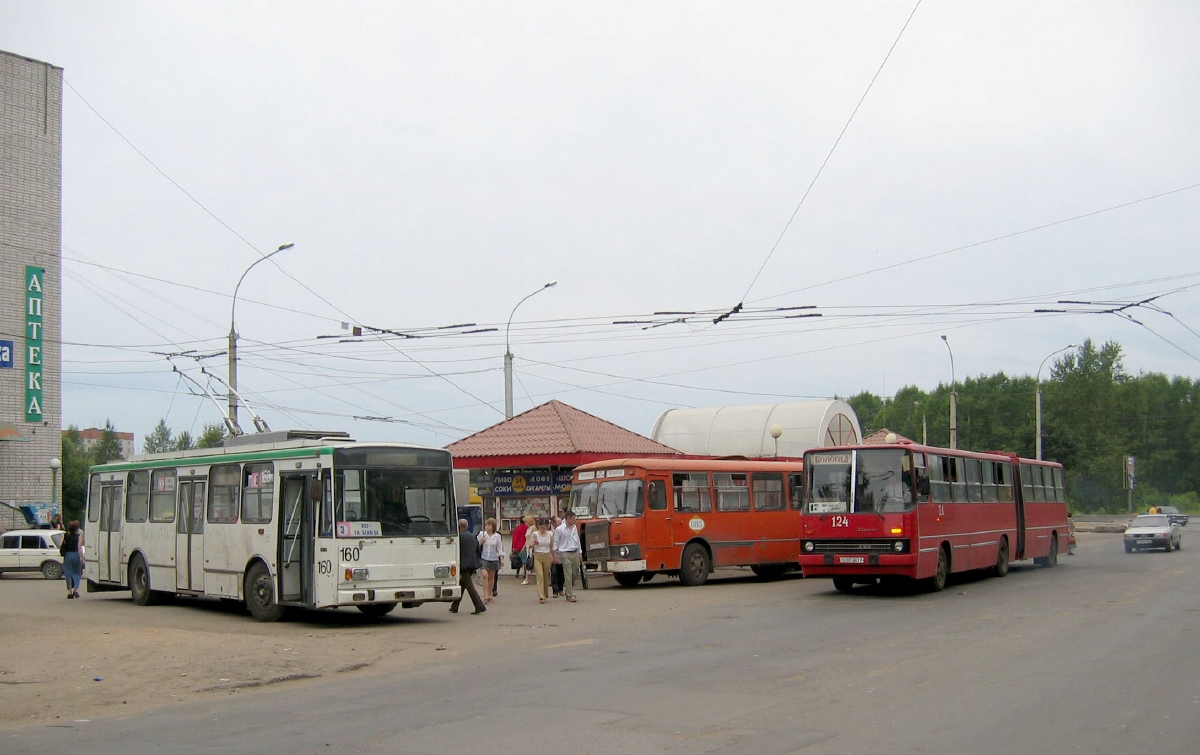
[(31, 97)]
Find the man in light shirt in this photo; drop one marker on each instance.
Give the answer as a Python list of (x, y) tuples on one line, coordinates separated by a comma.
[(567, 552)]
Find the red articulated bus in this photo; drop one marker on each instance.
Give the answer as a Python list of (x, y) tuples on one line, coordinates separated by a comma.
[(685, 517), (907, 511)]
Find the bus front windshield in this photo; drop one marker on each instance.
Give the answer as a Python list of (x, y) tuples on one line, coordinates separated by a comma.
[(394, 502), (882, 481), (606, 500)]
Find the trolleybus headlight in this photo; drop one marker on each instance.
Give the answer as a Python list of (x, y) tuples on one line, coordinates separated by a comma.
[(360, 573), (898, 546), (441, 572), (808, 546)]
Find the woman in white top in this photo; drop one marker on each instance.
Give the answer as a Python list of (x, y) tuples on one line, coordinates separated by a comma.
[(491, 555), (539, 542)]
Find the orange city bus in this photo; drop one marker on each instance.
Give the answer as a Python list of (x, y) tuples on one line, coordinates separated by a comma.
[(908, 511), (684, 517)]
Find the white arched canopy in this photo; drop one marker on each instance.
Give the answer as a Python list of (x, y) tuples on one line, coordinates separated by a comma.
[(746, 430)]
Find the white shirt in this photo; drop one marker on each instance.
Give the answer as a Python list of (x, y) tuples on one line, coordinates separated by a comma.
[(566, 539), (541, 543), (493, 548)]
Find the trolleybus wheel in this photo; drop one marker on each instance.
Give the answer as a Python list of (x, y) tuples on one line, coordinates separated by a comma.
[(695, 567), (628, 578), (937, 582), (139, 582), (1052, 556), (260, 594), (843, 584), (376, 610), (53, 570), (648, 575), (1001, 569)]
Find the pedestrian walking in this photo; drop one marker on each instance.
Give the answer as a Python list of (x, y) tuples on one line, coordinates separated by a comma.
[(468, 564), (567, 551), (519, 557), (541, 543), (72, 552), (492, 554)]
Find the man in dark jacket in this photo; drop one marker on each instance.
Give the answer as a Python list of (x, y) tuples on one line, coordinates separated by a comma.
[(468, 564)]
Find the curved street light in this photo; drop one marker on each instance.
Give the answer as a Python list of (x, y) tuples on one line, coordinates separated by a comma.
[(508, 396), (953, 398), (233, 335), (1038, 403)]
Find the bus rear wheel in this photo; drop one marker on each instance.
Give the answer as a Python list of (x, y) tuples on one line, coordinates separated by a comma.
[(693, 572), (1001, 568), (375, 610), (139, 582), (628, 578), (260, 594)]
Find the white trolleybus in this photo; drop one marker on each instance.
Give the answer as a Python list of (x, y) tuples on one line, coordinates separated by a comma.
[(304, 519)]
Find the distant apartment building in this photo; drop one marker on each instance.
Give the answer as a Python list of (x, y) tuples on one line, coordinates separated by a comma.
[(92, 436), (31, 94)]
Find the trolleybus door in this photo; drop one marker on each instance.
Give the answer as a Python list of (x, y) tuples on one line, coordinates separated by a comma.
[(109, 548), (657, 514), (296, 536), (189, 536)]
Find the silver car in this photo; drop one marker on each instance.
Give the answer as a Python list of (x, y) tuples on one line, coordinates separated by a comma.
[(1152, 531)]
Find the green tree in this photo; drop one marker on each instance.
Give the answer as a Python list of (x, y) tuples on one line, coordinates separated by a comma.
[(159, 440), (211, 436), (75, 463), (183, 441), (108, 448)]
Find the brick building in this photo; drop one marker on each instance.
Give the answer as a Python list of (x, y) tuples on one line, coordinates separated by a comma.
[(30, 279)]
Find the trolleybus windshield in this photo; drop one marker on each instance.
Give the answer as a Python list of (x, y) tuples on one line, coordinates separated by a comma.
[(393, 502), (882, 481)]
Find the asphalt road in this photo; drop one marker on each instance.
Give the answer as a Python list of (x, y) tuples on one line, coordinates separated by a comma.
[(1099, 654)]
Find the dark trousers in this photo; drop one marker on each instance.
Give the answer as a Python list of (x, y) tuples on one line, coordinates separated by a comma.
[(467, 583), (557, 579)]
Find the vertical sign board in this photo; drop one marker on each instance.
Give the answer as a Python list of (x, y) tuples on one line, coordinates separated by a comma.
[(33, 343)]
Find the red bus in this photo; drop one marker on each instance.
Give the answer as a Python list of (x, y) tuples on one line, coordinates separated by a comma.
[(685, 517), (919, 512)]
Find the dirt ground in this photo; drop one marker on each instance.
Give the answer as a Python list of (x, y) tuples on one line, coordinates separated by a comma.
[(102, 656)]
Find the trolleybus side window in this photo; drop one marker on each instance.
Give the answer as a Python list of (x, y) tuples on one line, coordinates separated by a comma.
[(258, 489), (94, 499), (1060, 491), (974, 481), (162, 495), (137, 504), (922, 476), (939, 486), (733, 492), (658, 495), (1004, 481), (768, 491), (1026, 483), (990, 494), (692, 492), (223, 494)]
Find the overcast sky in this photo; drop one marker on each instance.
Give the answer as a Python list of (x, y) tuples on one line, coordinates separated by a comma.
[(433, 164)]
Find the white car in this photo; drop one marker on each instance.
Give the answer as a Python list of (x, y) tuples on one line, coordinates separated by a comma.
[(1152, 531), (32, 550)]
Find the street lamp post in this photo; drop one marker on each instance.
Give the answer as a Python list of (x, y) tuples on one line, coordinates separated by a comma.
[(233, 335), (953, 398), (1038, 402), (55, 465), (508, 393)]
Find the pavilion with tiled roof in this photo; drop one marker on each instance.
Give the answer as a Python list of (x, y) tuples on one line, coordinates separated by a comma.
[(523, 465)]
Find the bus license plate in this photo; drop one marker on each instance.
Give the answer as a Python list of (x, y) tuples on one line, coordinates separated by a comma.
[(852, 559)]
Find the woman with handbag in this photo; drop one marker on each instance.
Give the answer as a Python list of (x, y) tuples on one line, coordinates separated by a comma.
[(72, 553)]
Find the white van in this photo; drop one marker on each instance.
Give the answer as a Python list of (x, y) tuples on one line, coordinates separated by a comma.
[(32, 550)]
